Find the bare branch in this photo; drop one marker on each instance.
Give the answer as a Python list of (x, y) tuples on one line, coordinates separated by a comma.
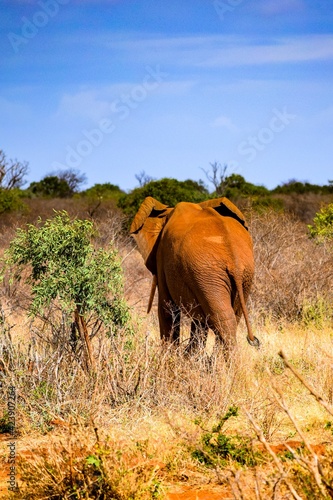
[(143, 178), (306, 384), (217, 176), (277, 462), (12, 172), (310, 466), (72, 176)]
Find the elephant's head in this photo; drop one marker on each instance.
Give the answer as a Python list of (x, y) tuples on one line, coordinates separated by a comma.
[(152, 216)]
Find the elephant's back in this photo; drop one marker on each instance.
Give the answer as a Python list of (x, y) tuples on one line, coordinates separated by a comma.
[(206, 229), (203, 239)]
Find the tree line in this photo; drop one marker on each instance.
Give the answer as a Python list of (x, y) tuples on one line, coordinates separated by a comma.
[(68, 184)]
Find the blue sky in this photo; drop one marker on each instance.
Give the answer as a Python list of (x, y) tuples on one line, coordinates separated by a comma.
[(115, 87)]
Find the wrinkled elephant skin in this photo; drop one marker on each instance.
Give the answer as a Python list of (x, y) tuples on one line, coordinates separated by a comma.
[(201, 258)]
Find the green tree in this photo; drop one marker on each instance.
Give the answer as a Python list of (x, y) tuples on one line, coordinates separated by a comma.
[(106, 191), (293, 186), (322, 228), (73, 177), (64, 266), (167, 191), (237, 187), (50, 187)]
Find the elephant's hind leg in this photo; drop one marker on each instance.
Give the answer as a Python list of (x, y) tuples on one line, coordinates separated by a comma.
[(199, 333), (224, 325), (169, 320)]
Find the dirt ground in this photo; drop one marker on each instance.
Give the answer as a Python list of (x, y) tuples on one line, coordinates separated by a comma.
[(28, 449)]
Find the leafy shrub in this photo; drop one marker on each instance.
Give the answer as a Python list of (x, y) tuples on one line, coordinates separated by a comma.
[(63, 266), (106, 191), (10, 200), (245, 194), (6, 425), (264, 203), (217, 449), (316, 312), (167, 191), (50, 186), (322, 228), (298, 187), (236, 186)]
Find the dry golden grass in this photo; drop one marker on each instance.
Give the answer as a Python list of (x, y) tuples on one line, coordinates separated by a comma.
[(155, 399), (142, 413)]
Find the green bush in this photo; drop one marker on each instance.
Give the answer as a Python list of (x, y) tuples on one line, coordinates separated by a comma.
[(262, 204), (62, 266), (104, 191), (244, 193), (293, 186), (217, 448), (235, 186), (10, 200), (322, 228), (316, 312), (167, 191), (66, 266), (50, 186)]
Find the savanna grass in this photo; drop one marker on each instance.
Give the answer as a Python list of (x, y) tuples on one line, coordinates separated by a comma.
[(142, 393)]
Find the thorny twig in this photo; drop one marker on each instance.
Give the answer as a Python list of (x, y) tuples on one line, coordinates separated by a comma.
[(311, 466), (277, 462), (306, 384)]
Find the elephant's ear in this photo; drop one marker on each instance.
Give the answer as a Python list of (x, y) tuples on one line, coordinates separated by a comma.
[(146, 228), (226, 208)]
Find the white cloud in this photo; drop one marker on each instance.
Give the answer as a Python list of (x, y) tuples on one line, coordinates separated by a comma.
[(283, 50), (97, 103), (94, 103), (176, 87), (274, 7), (11, 108), (225, 122), (84, 104), (222, 50)]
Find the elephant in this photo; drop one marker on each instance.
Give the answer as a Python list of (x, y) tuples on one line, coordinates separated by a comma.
[(201, 259)]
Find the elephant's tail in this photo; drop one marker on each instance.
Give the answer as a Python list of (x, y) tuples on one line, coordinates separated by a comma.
[(152, 293), (252, 340)]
